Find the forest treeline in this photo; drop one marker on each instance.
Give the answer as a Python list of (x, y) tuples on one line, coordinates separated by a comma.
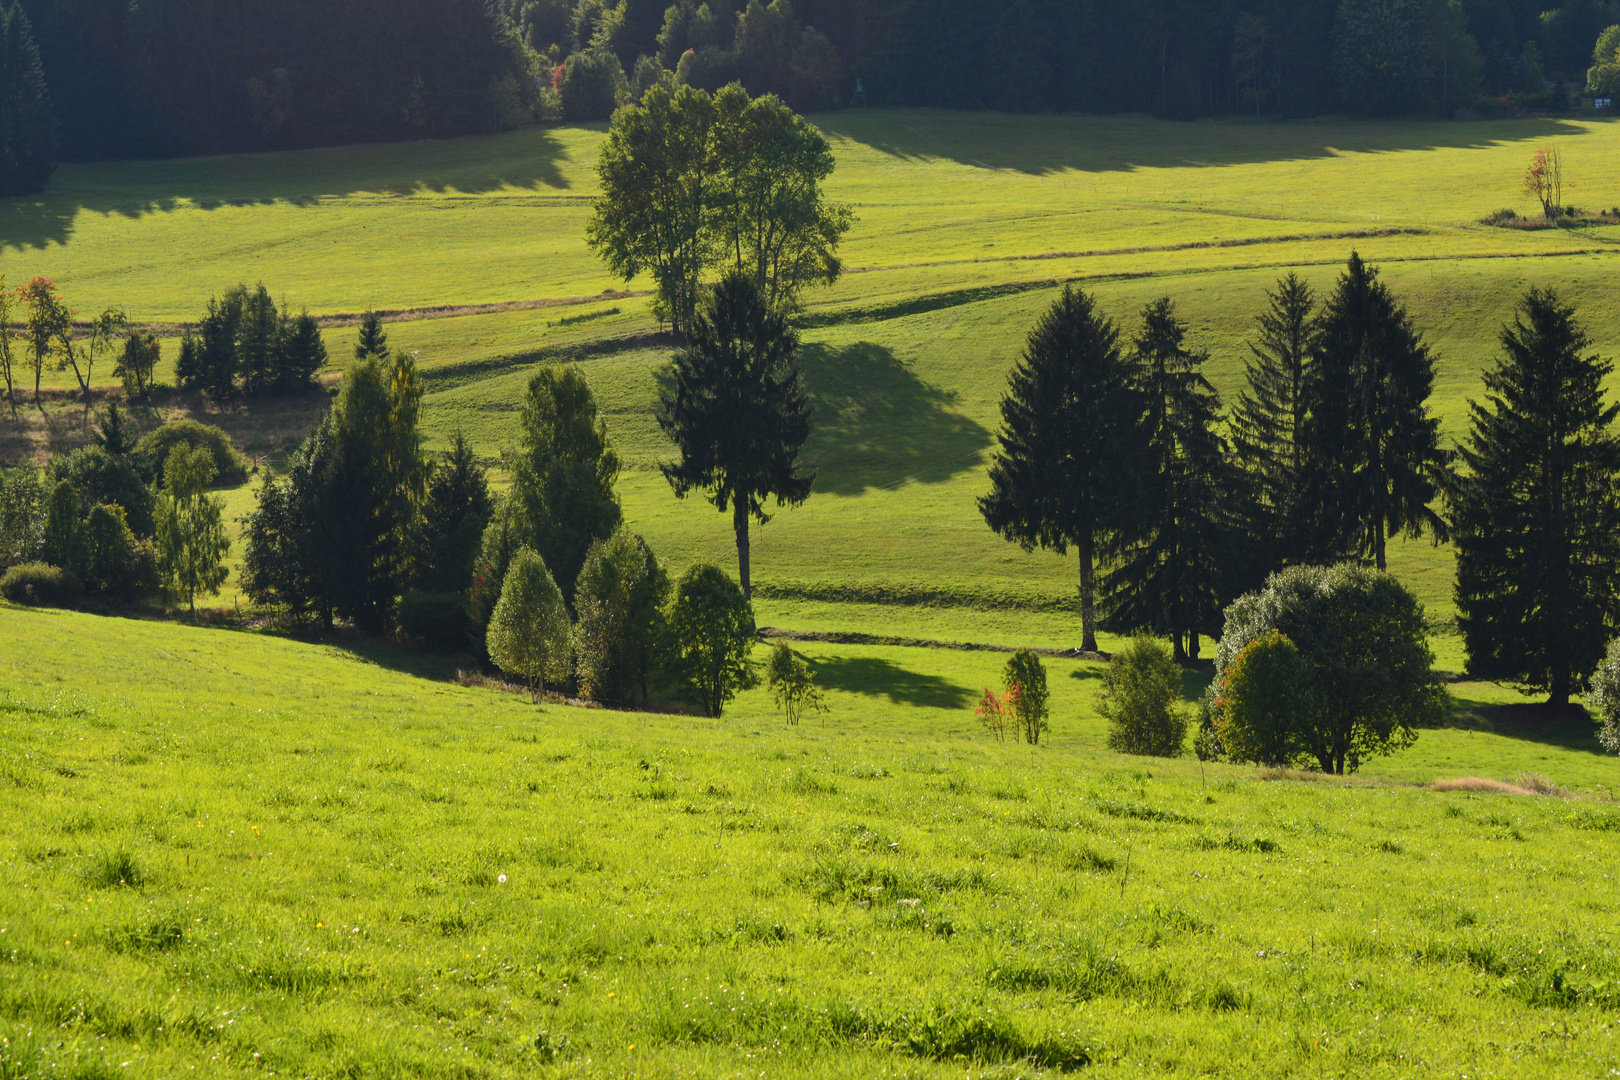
[(172, 77)]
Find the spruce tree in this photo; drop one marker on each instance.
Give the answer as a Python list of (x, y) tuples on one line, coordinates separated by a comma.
[(1169, 546), (1535, 515), (258, 340), (1268, 426), (1065, 416), (27, 128), (738, 412), (301, 352), (1375, 462), (373, 340)]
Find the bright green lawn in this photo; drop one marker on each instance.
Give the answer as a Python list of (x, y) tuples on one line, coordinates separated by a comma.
[(225, 853)]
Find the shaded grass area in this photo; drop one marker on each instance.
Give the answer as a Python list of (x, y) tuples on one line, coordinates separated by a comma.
[(226, 851)]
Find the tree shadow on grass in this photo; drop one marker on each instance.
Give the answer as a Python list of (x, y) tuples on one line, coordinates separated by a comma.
[(1044, 145), (1569, 727), (877, 424), (875, 677), (524, 160)]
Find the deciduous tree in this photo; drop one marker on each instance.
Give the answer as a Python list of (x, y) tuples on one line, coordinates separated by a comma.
[(528, 633), (711, 627), (191, 538), (47, 324)]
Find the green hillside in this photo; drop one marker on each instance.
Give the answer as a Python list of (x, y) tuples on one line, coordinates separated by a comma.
[(966, 224), (226, 853)]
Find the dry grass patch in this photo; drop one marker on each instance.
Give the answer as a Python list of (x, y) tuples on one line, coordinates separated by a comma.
[(1479, 783)]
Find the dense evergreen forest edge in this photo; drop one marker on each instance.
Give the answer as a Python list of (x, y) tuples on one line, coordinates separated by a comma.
[(156, 78)]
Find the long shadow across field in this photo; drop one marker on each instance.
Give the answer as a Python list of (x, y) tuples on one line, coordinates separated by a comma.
[(525, 161), (875, 677), (1042, 145), (877, 424), (1569, 728)]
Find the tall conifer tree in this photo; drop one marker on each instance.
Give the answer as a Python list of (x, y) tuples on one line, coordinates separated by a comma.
[(1375, 459), (27, 128), (1165, 576), (1065, 416), (1268, 426), (1536, 516)]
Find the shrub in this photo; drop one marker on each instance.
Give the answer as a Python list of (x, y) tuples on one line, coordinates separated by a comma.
[(711, 631), (1264, 695), (1139, 700), (116, 563), (995, 714), (528, 633), (1603, 697), (788, 677), (101, 477), (1363, 641), (152, 451), (1025, 679), (437, 619), (40, 583)]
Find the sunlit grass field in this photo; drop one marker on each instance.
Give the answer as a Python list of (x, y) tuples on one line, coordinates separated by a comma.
[(966, 224), (226, 853)]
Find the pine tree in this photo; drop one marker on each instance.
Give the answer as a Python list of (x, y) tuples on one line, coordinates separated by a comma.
[(1536, 515), (27, 128), (373, 339), (1268, 426), (1054, 482), (301, 353), (739, 412), (258, 340), (1164, 578), (1375, 460)]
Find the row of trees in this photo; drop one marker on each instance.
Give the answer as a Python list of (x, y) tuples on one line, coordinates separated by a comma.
[(365, 528), (46, 337), (244, 344), (127, 81), (1329, 451), (1118, 450)]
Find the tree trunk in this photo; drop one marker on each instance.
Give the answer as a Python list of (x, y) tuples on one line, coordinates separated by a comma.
[(1192, 645), (1560, 685), (1088, 598), (1179, 646), (1378, 546), (740, 524)]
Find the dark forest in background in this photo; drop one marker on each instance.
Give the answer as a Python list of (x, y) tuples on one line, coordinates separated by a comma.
[(152, 78)]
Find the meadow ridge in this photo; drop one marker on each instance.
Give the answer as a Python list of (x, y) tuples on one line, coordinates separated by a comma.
[(228, 851)]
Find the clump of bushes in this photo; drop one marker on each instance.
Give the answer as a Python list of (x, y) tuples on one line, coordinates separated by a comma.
[(40, 584), (1325, 666), (230, 467), (1603, 697), (1140, 700)]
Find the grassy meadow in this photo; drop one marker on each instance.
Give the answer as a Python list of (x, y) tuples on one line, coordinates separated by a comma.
[(966, 224), (228, 853), (225, 851)]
